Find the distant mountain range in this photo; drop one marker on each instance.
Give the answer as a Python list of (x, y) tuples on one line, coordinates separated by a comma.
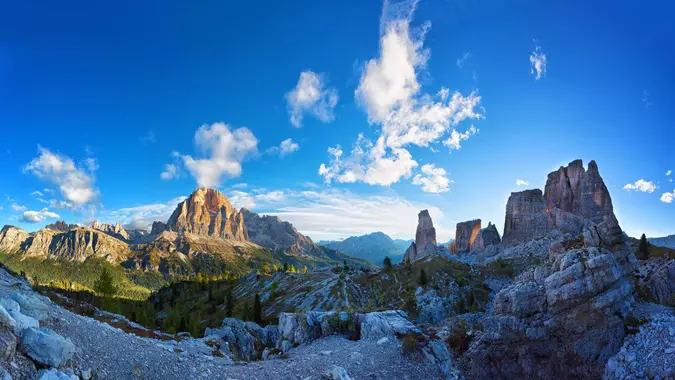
[(373, 247), (666, 241)]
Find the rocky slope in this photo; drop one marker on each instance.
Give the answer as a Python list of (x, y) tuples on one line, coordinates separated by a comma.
[(277, 235), (372, 247), (425, 239), (208, 212)]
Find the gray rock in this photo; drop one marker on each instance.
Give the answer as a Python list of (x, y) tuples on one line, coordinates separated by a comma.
[(247, 340), (9, 304), (425, 239), (339, 373), (465, 235), (7, 345), (23, 322), (54, 374), (525, 217), (6, 319), (46, 347), (390, 323), (286, 346), (31, 304), (487, 237), (4, 375)]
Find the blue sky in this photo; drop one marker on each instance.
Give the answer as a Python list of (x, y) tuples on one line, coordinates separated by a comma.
[(115, 112)]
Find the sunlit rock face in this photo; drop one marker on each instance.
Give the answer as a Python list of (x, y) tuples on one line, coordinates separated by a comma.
[(465, 235), (425, 238), (208, 212), (574, 200)]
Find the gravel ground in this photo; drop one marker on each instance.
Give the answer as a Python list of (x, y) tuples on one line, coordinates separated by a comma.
[(110, 353)]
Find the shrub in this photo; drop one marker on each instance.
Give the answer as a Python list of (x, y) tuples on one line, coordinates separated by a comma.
[(459, 339), (386, 263), (411, 344)]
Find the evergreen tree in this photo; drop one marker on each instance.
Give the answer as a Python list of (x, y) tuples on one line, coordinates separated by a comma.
[(285, 267), (386, 263), (293, 269), (643, 248), (229, 303), (408, 264), (193, 325), (105, 285), (422, 280), (305, 270), (245, 312), (346, 267), (257, 310), (410, 305)]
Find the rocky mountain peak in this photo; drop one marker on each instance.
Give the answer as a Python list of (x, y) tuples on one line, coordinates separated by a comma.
[(425, 238), (115, 230), (271, 232), (61, 226), (208, 212)]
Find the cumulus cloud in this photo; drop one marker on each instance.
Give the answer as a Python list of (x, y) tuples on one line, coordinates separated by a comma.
[(223, 151), (538, 62), (521, 182), (641, 185), (243, 199), (390, 93), (311, 96), (38, 216), (668, 197), (142, 216), (76, 184), (433, 180), (453, 142), (170, 172), (286, 147)]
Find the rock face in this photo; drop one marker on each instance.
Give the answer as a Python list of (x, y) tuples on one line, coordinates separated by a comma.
[(208, 212), (275, 234), (574, 199), (76, 244), (157, 228), (525, 217), (246, 340), (425, 238), (465, 235), (565, 316), (658, 284), (486, 237), (61, 226), (115, 230)]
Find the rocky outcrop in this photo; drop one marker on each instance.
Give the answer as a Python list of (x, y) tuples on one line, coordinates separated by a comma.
[(657, 281), (11, 238), (246, 340), (574, 199), (46, 347), (565, 316), (61, 226), (277, 235), (115, 230), (525, 217), (208, 212), (486, 237), (425, 239), (157, 228), (465, 235)]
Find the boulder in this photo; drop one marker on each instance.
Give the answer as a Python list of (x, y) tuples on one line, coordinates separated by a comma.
[(302, 328), (246, 340), (6, 320), (46, 347), (9, 304), (425, 238), (390, 323), (465, 234), (4, 375), (31, 304), (54, 374), (23, 322), (7, 345), (339, 373)]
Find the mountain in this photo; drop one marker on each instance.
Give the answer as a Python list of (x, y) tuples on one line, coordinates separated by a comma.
[(277, 235), (666, 241), (373, 247), (117, 231), (61, 226)]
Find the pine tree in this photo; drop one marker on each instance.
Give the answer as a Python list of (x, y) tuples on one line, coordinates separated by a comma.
[(345, 267), (229, 303), (193, 325), (285, 267), (257, 310), (386, 263), (305, 270), (105, 285), (245, 312), (293, 269), (422, 281), (643, 248)]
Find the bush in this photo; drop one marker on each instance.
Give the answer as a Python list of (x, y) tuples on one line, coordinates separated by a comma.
[(386, 263), (411, 344), (459, 339)]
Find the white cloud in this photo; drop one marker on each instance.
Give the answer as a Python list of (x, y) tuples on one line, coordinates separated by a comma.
[(243, 199), (521, 182), (641, 185), (48, 191), (311, 96), (241, 185), (435, 180), (170, 172), (668, 197), (538, 61), (389, 92), (76, 184), (17, 208), (36, 193), (463, 60), (224, 151), (142, 216), (669, 172), (38, 216), (453, 142), (287, 146)]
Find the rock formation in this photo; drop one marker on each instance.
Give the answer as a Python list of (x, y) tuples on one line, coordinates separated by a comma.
[(11, 238), (425, 238), (157, 228), (61, 226), (574, 199), (208, 212), (486, 237), (114, 230), (465, 235), (277, 235)]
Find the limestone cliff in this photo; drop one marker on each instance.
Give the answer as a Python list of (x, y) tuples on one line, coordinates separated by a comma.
[(525, 217), (486, 237), (277, 235), (425, 238), (465, 235), (61, 226), (11, 238), (208, 212)]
